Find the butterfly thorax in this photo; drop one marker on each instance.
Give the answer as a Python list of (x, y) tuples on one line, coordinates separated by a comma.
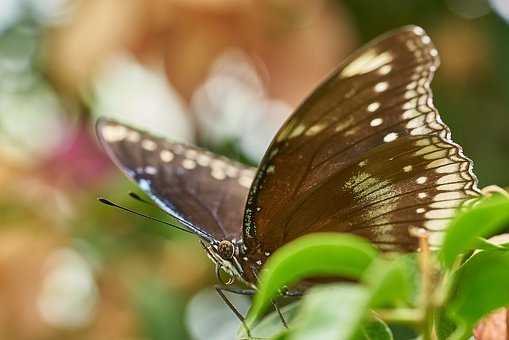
[(253, 259)]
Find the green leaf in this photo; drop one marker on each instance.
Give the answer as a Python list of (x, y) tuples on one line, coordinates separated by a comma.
[(412, 269), (272, 323), (376, 330), (331, 312), (443, 325), (389, 282), (487, 218), (281, 336), (320, 254), (481, 287)]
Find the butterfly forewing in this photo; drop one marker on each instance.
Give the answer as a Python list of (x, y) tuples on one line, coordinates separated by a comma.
[(206, 191), (366, 153)]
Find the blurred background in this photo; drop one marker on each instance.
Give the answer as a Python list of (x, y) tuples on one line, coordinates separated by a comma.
[(223, 74)]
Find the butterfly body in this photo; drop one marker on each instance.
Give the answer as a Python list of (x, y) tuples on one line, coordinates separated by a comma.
[(366, 153)]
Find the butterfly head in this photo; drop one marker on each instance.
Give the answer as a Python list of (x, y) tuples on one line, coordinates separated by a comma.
[(226, 250), (225, 254)]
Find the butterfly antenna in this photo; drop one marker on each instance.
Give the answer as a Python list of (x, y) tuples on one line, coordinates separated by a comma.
[(110, 203), (138, 198)]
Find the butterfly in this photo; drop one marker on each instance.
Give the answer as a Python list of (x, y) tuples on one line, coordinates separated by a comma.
[(366, 153)]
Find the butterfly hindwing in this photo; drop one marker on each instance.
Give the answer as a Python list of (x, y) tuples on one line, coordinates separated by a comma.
[(206, 191), (412, 182), (353, 155)]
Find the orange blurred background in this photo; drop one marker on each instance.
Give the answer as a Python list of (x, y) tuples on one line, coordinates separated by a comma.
[(223, 74)]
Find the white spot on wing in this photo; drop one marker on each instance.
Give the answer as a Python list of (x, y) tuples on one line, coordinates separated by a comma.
[(315, 129), (410, 114), (385, 70), (218, 173), (449, 179), (188, 164), (203, 160), (133, 136), (448, 196), (231, 171), (376, 122), (422, 130), (114, 133), (191, 154), (417, 30), (436, 225), (381, 86), (297, 131), (421, 180), (367, 62), (166, 156), (390, 137), (440, 213), (415, 122), (144, 184), (148, 145), (452, 186), (344, 124), (150, 170), (454, 167), (373, 106), (446, 204)]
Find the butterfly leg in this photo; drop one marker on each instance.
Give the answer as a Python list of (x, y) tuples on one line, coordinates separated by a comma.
[(252, 292), (279, 313), (234, 310), (239, 291)]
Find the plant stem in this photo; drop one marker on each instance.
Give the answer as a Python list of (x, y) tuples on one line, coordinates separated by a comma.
[(426, 297), (405, 316)]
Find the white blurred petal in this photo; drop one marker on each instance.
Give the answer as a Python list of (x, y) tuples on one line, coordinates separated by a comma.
[(209, 318), (232, 105), (501, 7), (68, 297), (264, 127), (236, 64), (134, 94), (31, 124), (52, 11), (10, 11), (227, 97)]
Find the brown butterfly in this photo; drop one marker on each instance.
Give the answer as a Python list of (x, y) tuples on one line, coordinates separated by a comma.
[(366, 153)]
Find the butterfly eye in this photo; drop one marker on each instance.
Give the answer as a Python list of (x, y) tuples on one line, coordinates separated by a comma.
[(225, 250)]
